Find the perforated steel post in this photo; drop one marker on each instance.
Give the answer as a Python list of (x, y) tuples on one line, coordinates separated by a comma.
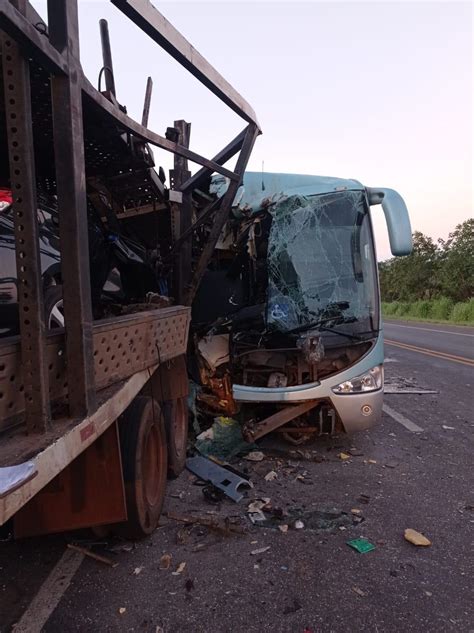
[(16, 79), (66, 92)]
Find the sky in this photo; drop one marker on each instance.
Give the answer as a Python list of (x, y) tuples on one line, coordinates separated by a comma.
[(377, 91)]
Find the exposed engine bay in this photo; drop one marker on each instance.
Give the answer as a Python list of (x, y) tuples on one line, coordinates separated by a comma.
[(286, 300)]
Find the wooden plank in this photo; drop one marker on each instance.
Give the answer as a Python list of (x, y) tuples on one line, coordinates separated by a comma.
[(259, 429)]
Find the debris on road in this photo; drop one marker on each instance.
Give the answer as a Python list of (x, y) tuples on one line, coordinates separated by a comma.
[(165, 561), (271, 476), (412, 536), (179, 570), (344, 456), (122, 610), (90, 554), (283, 528), (298, 525), (356, 511), (223, 440), (137, 571), (359, 591), (361, 545), (221, 477), (255, 509), (224, 526), (255, 456), (261, 550), (448, 428)]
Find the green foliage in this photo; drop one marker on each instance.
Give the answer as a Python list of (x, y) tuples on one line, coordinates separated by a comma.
[(442, 309), (464, 312), (442, 271)]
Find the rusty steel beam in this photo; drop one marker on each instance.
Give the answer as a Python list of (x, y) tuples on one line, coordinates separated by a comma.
[(252, 432), (181, 214), (66, 99), (147, 135), (22, 31), (222, 214), (147, 102), (107, 57), (16, 77), (221, 158), (152, 22)]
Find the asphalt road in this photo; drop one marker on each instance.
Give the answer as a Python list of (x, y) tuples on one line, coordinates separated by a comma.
[(308, 580), (456, 341)]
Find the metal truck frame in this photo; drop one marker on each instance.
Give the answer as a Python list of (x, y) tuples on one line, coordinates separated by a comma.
[(51, 460)]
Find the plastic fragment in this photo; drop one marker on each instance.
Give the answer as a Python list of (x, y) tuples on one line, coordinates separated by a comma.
[(122, 610), (412, 536), (359, 591), (270, 476), (356, 511), (344, 456), (283, 528), (298, 525), (260, 550), (361, 545), (165, 561), (179, 569), (137, 570), (254, 456)]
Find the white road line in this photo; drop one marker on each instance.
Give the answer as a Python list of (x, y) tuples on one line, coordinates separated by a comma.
[(427, 329), (401, 419), (51, 592)]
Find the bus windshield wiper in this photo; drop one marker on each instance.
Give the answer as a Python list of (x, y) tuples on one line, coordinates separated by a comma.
[(357, 337), (314, 324)]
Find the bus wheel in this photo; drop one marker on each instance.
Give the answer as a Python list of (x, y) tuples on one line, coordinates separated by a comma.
[(175, 413), (144, 464)]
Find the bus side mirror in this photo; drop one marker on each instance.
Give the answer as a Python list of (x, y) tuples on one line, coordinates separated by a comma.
[(396, 216)]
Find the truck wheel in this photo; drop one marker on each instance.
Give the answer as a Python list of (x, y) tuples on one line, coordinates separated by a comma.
[(144, 464), (175, 413)]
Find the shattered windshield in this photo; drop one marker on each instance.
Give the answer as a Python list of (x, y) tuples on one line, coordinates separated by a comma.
[(321, 262)]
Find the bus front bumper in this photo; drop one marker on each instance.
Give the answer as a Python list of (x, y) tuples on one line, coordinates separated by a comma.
[(357, 411)]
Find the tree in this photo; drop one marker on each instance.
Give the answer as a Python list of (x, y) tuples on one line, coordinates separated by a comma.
[(457, 269)]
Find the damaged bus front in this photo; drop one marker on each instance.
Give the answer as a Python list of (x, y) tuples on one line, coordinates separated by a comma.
[(288, 331)]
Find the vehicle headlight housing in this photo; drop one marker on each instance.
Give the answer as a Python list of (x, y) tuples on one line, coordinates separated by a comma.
[(371, 380)]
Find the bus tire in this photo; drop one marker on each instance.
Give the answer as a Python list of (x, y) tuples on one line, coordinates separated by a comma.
[(144, 465), (175, 413)]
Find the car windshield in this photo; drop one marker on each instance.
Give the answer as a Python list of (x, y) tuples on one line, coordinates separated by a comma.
[(321, 263)]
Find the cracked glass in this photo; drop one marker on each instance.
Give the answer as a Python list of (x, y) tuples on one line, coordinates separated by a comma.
[(321, 262)]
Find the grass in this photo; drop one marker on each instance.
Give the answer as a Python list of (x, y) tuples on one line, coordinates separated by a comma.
[(441, 310)]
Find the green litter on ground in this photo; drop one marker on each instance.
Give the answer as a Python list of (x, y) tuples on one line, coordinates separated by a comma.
[(361, 545)]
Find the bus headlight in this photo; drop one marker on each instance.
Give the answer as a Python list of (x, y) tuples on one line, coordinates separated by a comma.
[(370, 381)]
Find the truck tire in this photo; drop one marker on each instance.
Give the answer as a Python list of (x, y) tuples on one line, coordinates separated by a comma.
[(175, 413), (144, 464)]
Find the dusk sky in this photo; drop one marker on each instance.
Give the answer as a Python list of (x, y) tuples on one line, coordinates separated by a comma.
[(376, 91)]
